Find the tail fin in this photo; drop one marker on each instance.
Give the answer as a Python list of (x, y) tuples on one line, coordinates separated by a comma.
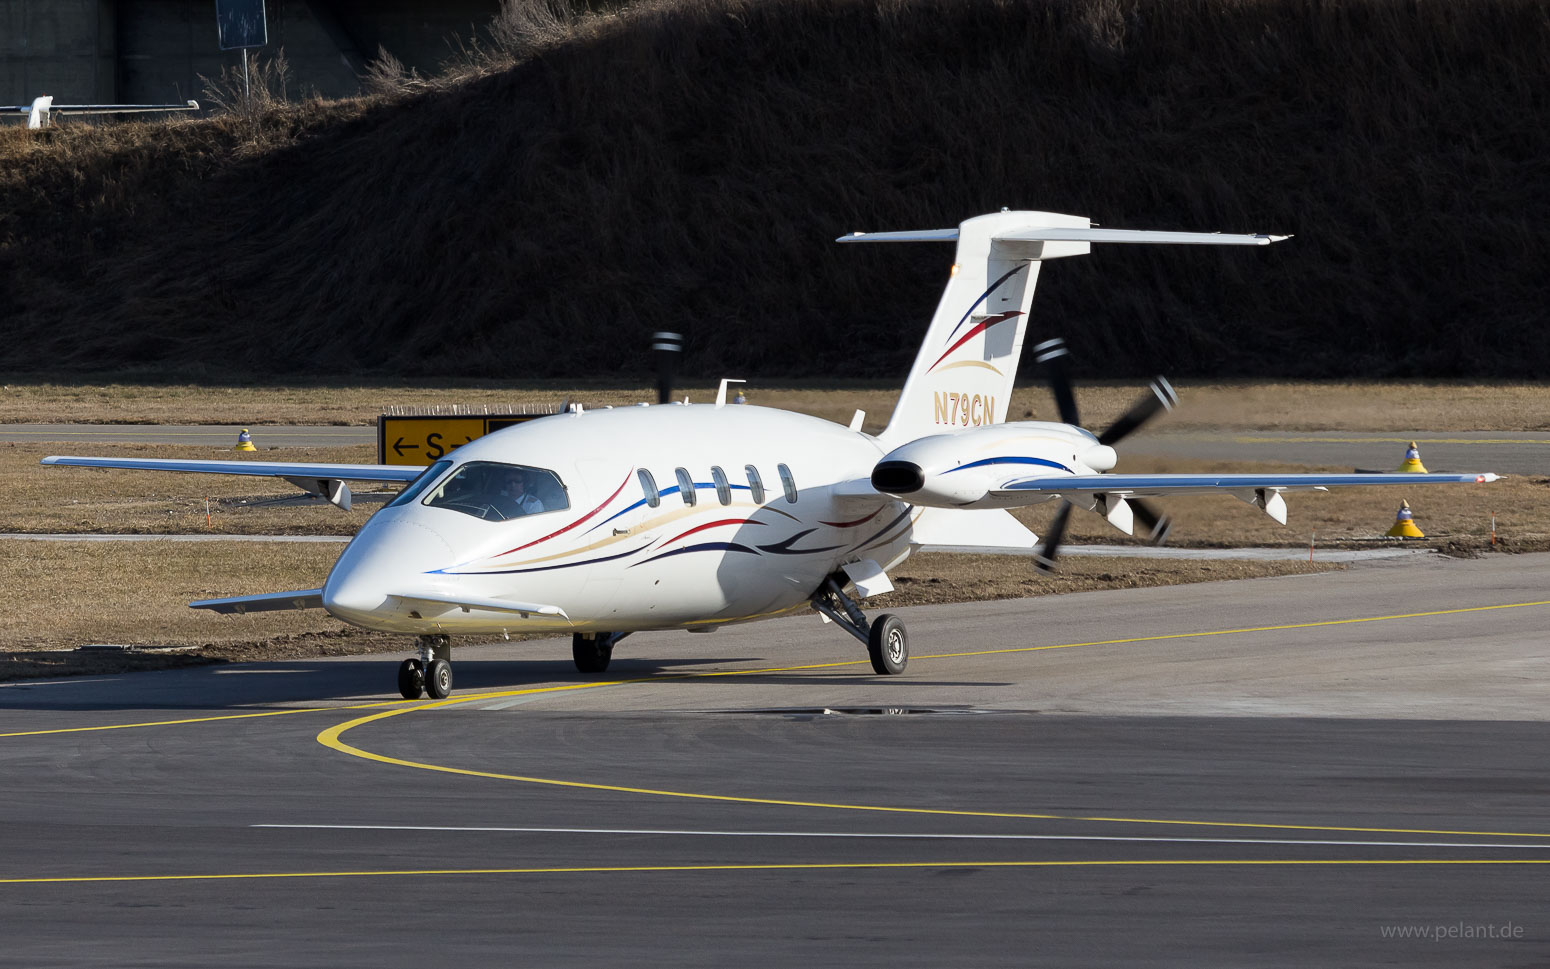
[(966, 367)]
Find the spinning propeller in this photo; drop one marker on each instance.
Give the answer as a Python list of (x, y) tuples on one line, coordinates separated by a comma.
[(667, 348), (1055, 357)]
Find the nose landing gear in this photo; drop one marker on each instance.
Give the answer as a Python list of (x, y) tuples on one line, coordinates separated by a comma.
[(431, 673)]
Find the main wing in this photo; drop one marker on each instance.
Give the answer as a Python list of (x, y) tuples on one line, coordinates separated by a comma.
[(327, 481), (1162, 485), (1108, 492)]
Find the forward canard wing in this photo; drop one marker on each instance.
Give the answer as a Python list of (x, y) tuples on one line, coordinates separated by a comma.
[(266, 602)]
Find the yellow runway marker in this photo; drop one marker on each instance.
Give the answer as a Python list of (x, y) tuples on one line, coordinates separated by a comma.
[(331, 738), (789, 866)]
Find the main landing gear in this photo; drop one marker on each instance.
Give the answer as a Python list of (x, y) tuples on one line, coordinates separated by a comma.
[(431, 673), (887, 644), (593, 651)]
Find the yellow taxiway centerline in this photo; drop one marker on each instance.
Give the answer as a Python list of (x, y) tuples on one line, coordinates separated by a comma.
[(331, 738), (786, 866)]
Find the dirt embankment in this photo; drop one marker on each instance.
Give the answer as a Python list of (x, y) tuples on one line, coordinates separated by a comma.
[(686, 163)]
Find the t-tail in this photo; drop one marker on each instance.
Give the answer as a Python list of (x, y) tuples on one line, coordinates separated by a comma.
[(966, 367)]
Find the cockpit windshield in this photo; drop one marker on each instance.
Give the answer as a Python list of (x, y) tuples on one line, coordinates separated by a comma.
[(499, 492), (426, 478)]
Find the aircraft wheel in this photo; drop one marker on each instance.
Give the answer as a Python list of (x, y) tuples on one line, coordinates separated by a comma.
[(591, 655), (438, 679), (411, 679), (888, 646)]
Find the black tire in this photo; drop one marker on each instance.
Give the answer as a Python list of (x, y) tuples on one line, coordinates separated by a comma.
[(888, 645), (438, 679), (411, 679), (591, 655)]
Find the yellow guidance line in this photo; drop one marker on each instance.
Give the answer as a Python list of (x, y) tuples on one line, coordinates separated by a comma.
[(407, 706), (224, 716), (331, 738), (789, 866)]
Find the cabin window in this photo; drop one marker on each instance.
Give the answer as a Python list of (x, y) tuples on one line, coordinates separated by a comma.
[(648, 485), (723, 489), (427, 478), (787, 482), (499, 492), (685, 486), (755, 484)]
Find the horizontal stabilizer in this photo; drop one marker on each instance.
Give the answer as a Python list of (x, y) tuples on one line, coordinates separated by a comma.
[(1158, 485), (1137, 236), (471, 603), (1065, 234), (268, 602), (905, 235), (262, 469)]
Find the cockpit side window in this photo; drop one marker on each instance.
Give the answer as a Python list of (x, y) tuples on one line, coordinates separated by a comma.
[(426, 478), (499, 492)]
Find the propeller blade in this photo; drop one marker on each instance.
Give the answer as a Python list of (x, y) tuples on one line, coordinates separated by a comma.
[(1156, 523), (667, 348), (1162, 398), (1044, 561), (1056, 359)]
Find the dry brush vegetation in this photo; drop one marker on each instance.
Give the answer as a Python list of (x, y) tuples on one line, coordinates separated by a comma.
[(583, 180)]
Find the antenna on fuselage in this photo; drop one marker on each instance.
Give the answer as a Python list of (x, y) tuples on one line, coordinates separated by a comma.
[(667, 348)]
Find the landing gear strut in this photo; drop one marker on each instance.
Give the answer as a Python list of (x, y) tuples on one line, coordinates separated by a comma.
[(431, 673), (593, 651), (887, 644)]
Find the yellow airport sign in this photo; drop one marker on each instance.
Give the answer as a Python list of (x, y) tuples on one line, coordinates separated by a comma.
[(419, 439)]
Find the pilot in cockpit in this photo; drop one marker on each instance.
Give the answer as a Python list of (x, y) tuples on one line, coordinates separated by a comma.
[(516, 499)]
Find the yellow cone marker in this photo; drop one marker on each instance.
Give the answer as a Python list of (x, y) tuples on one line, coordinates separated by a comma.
[(245, 441), (1404, 524), (1412, 462)]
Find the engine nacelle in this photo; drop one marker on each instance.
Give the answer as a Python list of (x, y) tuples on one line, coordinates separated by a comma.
[(964, 468)]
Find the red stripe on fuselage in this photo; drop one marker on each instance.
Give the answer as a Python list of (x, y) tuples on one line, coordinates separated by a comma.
[(858, 521), (979, 327), (701, 528), (576, 522)]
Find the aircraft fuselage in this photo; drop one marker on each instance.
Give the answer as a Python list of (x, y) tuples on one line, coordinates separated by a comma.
[(612, 559)]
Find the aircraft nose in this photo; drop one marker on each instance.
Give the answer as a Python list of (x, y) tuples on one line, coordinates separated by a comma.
[(387, 557)]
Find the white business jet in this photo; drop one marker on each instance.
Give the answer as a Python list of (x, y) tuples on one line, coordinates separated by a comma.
[(689, 516)]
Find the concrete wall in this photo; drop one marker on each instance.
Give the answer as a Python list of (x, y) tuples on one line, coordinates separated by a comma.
[(61, 47), (140, 51)]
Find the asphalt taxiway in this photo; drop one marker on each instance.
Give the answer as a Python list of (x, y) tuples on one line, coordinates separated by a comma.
[(1345, 767)]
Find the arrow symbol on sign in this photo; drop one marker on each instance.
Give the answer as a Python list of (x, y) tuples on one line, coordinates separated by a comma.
[(399, 447)]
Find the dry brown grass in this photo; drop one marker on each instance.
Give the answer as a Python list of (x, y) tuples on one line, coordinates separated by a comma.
[(45, 499), (1241, 405), (137, 594)]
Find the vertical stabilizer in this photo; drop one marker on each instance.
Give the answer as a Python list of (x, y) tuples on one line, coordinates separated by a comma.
[(967, 364), (966, 367)]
